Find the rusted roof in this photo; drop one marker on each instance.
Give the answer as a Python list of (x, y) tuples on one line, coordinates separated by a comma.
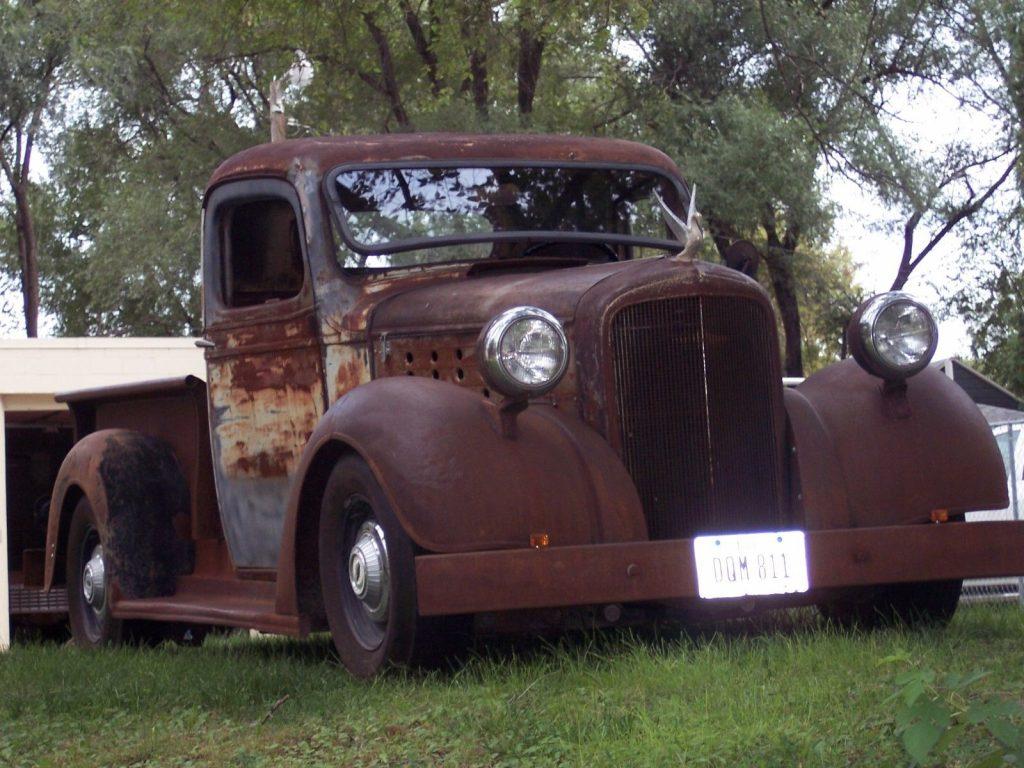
[(280, 158)]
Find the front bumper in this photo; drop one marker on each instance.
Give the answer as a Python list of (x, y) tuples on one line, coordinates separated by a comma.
[(472, 582)]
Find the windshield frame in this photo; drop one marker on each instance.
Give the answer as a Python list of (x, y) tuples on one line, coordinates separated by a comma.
[(682, 192)]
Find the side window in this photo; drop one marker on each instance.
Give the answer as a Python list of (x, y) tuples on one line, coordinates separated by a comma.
[(261, 253)]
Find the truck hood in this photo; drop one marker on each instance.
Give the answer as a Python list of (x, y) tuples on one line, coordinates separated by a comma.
[(469, 303)]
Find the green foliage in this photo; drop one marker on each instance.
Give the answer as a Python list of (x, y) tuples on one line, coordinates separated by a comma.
[(33, 45), (936, 712), (830, 295), (996, 320), (991, 304)]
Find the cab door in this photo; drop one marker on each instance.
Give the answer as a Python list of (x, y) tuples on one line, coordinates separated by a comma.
[(265, 375)]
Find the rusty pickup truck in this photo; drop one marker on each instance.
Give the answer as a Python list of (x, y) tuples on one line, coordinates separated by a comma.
[(461, 382)]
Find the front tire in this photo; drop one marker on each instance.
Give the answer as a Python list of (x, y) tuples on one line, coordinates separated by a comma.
[(920, 604), (368, 578)]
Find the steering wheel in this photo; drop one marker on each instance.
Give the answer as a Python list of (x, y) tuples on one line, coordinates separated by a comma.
[(605, 249)]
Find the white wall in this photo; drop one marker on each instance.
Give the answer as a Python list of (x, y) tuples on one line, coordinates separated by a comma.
[(47, 366), (5, 623)]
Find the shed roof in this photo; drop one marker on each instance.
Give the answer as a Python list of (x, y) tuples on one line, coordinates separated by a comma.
[(46, 366), (995, 415), (980, 387)]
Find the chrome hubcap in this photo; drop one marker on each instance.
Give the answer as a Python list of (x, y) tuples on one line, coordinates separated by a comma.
[(94, 585), (368, 570)]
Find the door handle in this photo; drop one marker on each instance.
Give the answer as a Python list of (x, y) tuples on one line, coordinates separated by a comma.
[(205, 344)]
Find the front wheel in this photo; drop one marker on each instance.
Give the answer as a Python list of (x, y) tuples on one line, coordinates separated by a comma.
[(921, 604), (368, 578)]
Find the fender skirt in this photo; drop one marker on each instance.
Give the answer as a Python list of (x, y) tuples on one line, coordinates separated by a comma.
[(871, 455), (455, 482), (139, 496)]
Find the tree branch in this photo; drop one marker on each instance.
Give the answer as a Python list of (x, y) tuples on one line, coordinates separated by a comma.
[(389, 83), (965, 211), (422, 45)]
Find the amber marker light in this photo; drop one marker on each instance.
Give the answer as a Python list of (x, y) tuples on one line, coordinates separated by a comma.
[(539, 540), (940, 515)]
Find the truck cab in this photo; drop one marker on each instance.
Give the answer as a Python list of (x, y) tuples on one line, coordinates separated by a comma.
[(457, 381)]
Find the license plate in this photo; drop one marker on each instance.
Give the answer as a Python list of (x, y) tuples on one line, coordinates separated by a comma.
[(742, 564)]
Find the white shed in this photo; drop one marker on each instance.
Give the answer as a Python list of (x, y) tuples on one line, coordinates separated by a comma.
[(35, 429)]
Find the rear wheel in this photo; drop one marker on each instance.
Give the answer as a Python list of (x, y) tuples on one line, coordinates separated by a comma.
[(88, 579), (920, 604), (368, 578), (88, 575), (154, 633)]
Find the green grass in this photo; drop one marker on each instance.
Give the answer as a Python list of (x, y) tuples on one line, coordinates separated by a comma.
[(794, 694)]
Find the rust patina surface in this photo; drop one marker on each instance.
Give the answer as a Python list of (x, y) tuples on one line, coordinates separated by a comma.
[(384, 364)]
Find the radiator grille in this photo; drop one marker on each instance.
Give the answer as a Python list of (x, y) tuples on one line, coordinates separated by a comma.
[(697, 392)]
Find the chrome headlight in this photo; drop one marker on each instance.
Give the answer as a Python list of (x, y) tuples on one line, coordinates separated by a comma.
[(893, 336), (523, 352)]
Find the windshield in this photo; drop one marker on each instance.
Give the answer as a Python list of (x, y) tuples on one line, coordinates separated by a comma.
[(456, 211)]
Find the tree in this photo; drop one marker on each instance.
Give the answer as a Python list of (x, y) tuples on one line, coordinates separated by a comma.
[(761, 101), (991, 62), (33, 52), (778, 96), (169, 90), (983, 68), (991, 303)]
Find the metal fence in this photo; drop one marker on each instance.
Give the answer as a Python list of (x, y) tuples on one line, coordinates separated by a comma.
[(1010, 437)]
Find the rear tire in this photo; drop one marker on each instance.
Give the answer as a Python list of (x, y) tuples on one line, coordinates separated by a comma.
[(92, 624), (920, 604), (368, 579), (88, 579)]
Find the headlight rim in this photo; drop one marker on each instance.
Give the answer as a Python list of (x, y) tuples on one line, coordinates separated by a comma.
[(489, 348), (861, 336)]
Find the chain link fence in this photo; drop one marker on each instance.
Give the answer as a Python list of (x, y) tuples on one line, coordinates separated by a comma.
[(1010, 437)]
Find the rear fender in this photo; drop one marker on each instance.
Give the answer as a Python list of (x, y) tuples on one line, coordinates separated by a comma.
[(869, 456), (139, 496), (455, 482)]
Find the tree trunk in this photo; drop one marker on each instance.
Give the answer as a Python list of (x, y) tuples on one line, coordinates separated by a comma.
[(531, 49), (28, 253), (389, 82), (480, 87), (779, 258), (278, 122), (476, 35)]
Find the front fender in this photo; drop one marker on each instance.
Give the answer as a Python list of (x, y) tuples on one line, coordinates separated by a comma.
[(138, 495), (455, 482), (867, 457)]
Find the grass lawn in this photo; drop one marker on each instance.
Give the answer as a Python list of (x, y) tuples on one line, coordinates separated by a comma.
[(796, 693)]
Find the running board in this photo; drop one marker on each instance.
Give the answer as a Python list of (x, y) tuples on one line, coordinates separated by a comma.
[(225, 602)]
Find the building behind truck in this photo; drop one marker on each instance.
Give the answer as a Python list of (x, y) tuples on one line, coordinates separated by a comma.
[(36, 433)]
